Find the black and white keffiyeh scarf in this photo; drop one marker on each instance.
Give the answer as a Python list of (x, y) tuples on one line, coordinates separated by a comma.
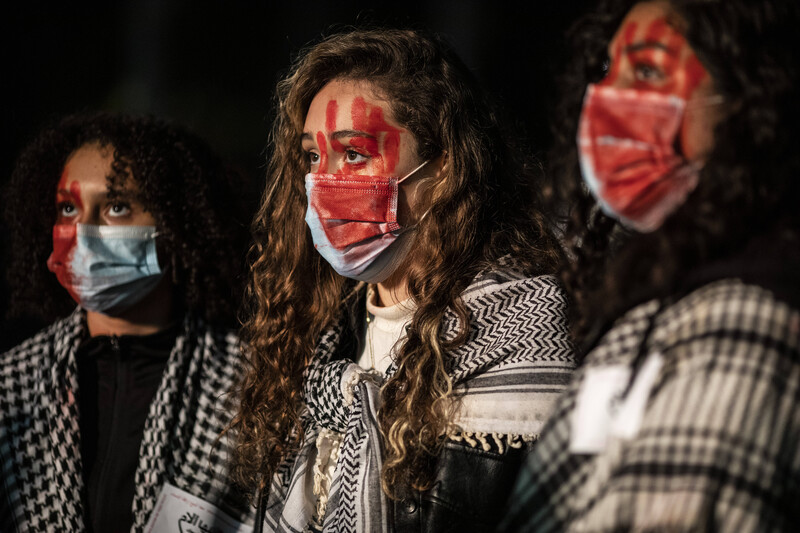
[(40, 460), (506, 379)]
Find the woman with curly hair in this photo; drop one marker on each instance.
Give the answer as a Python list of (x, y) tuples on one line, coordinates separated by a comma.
[(684, 414), (118, 401), (405, 350)]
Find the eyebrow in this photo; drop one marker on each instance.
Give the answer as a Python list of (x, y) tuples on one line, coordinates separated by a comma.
[(650, 44), (351, 133), (340, 135)]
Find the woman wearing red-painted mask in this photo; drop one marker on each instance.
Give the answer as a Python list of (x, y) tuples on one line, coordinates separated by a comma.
[(684, 414), (113, 412), (407, 334)]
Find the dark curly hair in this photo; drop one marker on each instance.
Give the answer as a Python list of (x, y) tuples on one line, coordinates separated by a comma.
[(749, 185), (484, 207), (181, 182)]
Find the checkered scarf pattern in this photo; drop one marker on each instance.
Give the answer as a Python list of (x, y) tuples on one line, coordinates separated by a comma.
[(719, 444), (517, 326), (40, 462)]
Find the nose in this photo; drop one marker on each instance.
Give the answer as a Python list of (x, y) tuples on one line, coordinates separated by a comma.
[(88, 214)]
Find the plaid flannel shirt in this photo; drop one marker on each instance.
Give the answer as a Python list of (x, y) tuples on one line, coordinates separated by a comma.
[(719, 443)]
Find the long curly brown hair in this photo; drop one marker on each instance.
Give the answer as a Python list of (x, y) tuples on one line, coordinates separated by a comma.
[(485, 206)]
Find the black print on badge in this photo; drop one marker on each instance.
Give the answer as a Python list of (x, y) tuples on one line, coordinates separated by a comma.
[(191, 523)]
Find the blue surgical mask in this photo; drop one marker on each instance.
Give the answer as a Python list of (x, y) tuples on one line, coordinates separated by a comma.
[(106, 269)]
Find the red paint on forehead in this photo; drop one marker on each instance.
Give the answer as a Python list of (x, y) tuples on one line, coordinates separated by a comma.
[(330, 115), (331, 112), (657, 32), (370, 119), (74, 189), (323, 152), (628, 33)]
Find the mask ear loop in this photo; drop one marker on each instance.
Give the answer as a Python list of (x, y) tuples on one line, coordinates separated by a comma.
[(425, 214), (401, 180), (708, 101)]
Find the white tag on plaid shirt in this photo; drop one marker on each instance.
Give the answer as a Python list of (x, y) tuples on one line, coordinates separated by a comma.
[(628, 419), (178, 511), (595, 406)]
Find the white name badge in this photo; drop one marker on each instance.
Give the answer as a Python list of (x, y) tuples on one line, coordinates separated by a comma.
[(595, 405), (628, 419), (177, 511), (600, 411)]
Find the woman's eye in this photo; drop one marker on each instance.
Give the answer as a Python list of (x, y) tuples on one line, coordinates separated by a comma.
[(353, 157), (647, 73), (66, 209), (119, 210), (313, 157)]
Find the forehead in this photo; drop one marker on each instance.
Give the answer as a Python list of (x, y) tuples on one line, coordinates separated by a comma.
[(91, 166), (89, 163), (648, 22), (338, 96)]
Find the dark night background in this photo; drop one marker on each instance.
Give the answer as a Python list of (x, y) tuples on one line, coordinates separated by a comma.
[(212, 66)]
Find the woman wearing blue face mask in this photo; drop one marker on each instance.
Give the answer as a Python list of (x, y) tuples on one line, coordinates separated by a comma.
[(407, 335), (115, 409)]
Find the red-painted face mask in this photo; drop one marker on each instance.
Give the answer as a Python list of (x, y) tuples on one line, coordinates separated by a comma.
[(353, 222), (626, 141)]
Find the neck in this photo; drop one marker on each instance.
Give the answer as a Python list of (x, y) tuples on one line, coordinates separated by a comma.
[(152, 314), (392, 290)]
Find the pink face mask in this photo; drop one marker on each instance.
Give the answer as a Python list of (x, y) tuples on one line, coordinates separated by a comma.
[(353, 222), (626, 140)]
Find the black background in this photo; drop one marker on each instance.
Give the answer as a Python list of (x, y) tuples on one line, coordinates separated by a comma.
[(212, 66)]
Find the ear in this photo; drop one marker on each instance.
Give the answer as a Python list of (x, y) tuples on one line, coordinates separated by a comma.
[(439, 165)]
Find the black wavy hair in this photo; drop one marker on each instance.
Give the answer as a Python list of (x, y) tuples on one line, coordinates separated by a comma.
[(749, 185), (201, 218)]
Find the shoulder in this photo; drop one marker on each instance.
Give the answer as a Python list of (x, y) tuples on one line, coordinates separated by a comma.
[(508, 283), (32, 352), (508, 303), (219, 347), (514, 319), (728, 315), (518, 358), (727, 311)]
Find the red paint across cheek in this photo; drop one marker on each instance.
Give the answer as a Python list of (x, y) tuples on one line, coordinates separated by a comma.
[(616, 59), (370, 119), (695, 74), (64, 242)]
